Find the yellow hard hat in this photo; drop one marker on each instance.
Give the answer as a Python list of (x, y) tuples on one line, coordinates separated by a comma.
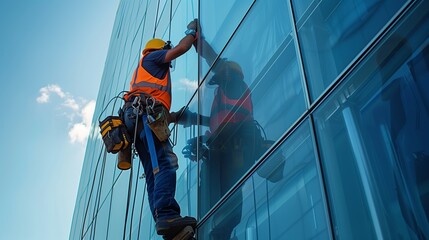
[(232, 67), (154, 43), (226, 70)]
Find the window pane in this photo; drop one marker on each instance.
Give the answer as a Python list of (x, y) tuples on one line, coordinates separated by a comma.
[(186, 150), (219, 19), (332, 33), (283, 200), (184, 74), (373, 133), (252, 80)]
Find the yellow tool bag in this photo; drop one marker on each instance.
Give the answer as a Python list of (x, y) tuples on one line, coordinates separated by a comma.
[(157, 120), (114, 134)]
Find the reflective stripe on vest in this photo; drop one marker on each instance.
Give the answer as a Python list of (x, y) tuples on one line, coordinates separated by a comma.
[(229, 110), (143, 81)]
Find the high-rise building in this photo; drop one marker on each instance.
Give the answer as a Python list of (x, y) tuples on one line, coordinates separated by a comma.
[(314, 121)]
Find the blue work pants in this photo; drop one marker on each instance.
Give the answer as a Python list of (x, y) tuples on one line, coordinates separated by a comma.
[(161, 187)]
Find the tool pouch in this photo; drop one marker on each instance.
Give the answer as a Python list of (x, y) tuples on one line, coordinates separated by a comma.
[(158, 122), (114, 134)]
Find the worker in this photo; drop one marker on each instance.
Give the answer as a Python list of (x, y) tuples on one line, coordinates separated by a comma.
[(151, 86)]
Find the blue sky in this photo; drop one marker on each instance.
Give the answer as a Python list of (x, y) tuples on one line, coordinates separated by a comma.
[(52, 55)]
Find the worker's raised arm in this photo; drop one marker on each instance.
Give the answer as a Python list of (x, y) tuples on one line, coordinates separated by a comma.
[(185, 44), (207, 51)]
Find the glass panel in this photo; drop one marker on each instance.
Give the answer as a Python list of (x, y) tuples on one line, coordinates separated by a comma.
[(373, 134), (283, 200), (219, 19), (185, 74), (249, 78), (186, 151), (332, 33)]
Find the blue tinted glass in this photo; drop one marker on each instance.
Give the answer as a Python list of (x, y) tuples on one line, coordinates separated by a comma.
[(373, 134), (332, 33), (186, 150), (243, 98), (184, 75), (218, 21), (283, 200)]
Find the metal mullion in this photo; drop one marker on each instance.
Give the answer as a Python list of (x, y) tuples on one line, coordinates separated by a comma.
[(298, 51), (322, 180), (361, 56), (227, 42)]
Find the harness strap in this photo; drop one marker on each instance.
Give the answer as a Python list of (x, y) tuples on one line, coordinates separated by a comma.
[(151, 145)]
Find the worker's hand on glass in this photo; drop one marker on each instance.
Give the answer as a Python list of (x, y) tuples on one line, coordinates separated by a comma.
[(184, 117), (193, 25), (190, 150)]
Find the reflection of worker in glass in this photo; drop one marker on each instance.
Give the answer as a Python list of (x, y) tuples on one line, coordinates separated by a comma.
[(408, 130), (230, 142)]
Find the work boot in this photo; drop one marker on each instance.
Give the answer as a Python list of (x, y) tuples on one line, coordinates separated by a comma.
[(170, 227)]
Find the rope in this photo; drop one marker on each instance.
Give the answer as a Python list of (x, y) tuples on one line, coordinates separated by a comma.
[(110, 205), (156, 20), (171, 17), (141, 209), (98, 196), (98, 199), (130, 183), (134, 200), (82, 234), (110, 101), (143, 31)]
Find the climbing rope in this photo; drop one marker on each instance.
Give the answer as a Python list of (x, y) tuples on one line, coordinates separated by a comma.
[(156, 20), (171, 17)]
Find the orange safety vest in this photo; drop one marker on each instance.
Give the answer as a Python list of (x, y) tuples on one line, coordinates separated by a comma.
[(226, 110), (143, 81)]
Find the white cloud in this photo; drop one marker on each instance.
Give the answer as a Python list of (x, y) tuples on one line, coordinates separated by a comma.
[(79, 113), (187, 84), (45, 93), (79, 131), (71, 103), (88, 112)]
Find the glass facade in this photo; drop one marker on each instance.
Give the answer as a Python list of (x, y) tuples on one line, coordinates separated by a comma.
[(311, 121)]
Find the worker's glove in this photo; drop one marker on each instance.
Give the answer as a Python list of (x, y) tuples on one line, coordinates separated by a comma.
[(175, 115), (193, 25), (184, 117), (190, 150)]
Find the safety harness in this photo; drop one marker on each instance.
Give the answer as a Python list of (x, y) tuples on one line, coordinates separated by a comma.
[(154, 119)]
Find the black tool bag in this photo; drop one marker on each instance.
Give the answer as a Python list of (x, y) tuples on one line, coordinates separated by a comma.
[(114, 134)]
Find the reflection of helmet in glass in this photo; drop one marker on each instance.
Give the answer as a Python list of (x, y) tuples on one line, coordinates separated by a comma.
[(154, 44), (226, 70)]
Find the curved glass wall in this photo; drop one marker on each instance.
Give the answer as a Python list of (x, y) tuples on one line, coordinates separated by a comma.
[(373, 139), (309, 121)]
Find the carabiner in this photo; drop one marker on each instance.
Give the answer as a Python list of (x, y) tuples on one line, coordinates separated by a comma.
[(137, 110)]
